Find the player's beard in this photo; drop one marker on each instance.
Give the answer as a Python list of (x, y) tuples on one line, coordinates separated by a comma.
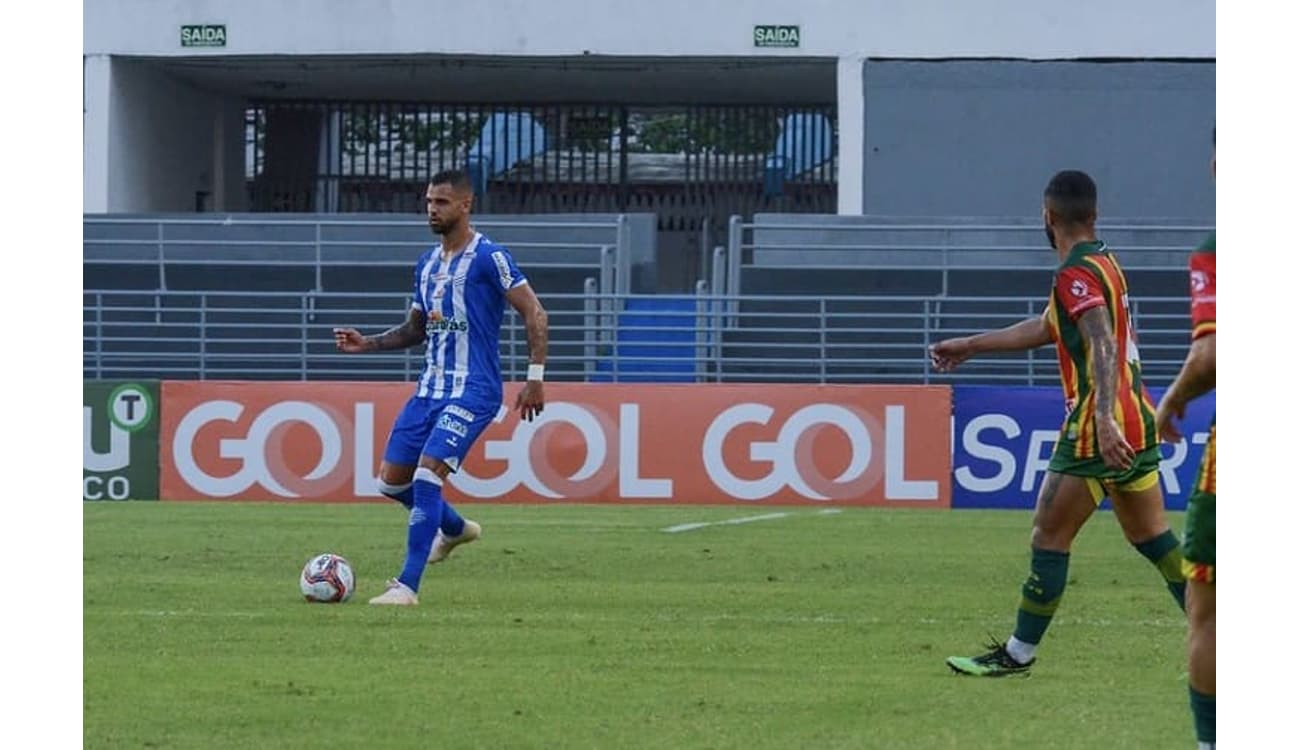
[(1051, 236), (444, 227)]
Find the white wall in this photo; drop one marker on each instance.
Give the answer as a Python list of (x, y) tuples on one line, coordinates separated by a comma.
[(872, 28), (153, 142), (95, 103)]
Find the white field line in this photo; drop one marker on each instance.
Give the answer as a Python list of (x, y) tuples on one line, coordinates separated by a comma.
[(747, 519), (729, 522)]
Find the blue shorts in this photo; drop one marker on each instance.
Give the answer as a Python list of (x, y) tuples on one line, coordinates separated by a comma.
[(441, 428)]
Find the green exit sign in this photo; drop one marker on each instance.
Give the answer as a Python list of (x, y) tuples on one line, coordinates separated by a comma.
[(776, 36), (203, 35)]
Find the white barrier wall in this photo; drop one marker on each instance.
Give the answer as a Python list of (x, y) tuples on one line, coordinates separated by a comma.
[(877, 28), (156, 144), (153, 141)]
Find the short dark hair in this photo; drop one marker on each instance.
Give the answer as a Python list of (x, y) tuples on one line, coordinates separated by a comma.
[(1072, 196), (457, 178)]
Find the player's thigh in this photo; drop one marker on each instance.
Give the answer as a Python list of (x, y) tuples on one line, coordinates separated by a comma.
[(1065, 503), (457, 425), (1200, 607), (396, 474), (406, 440), (1140, 510)]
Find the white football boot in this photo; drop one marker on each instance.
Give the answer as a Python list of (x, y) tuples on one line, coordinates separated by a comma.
[(443, 545), (398, 593)]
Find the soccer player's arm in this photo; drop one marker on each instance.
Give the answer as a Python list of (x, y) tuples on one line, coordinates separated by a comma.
[(1086, 305), (519, 293), (1027, 334), (525, 302), (409, 333), (1197, 376)]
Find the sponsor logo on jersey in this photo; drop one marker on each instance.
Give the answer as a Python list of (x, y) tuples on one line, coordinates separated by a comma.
[(503, 268), (1078, 288), (450, 325), (460, 411), (451, 424)]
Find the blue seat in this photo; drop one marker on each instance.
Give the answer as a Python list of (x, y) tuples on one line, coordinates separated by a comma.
[(803, 143), (506, 139)]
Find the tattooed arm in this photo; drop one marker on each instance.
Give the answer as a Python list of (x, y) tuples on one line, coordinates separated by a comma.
[(1102, 350), (409, 333), (531, 399)]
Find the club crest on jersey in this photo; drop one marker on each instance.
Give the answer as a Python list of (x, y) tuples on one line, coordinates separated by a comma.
[(1078, 288), (1199, 281)]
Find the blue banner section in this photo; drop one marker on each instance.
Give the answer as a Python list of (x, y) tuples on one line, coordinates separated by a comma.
[(1003, 440)]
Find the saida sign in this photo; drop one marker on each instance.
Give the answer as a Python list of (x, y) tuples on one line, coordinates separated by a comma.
[(203, 35), (776, 36)]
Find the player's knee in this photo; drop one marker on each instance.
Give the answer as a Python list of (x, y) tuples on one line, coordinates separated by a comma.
[(1200, 609), (1050, 537), (390, 489), (437, 467), (395, 474)]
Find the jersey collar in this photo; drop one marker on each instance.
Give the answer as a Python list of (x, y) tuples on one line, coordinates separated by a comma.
[(1085, 248)]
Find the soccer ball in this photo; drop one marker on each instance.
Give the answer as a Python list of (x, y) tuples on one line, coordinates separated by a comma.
[(327, 577)]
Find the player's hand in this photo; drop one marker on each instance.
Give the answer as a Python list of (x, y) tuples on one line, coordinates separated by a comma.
[(350, 340), (1116, 453), (946, 355), (1166, 427), (531, 400)]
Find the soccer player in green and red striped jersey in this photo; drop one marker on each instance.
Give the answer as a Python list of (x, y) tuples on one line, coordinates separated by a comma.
[(1194, 380), (1108, 443)]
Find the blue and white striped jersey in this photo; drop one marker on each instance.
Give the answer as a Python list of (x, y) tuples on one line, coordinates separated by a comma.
[(463, 299)]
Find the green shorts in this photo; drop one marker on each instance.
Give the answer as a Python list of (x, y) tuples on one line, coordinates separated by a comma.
[(1198, 538), (1103, 480)]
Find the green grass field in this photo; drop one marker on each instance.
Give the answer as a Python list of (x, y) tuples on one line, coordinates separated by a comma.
[(589, 627)]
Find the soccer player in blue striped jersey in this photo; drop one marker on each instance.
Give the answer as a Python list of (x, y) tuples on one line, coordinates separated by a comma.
[(461, 289)]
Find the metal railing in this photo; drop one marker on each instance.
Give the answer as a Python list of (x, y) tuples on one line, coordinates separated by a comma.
[(316, 245), (778, 338), (945, 248)]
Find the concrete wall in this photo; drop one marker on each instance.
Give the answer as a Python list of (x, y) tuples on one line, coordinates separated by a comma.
[(874, 28), (982, 138), (151, 142)]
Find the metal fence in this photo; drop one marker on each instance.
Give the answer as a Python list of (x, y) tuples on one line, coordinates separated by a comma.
[(946, 248), (594, 337), (308, 254)]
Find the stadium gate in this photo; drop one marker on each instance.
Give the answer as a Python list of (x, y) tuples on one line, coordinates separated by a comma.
[(694, 166)]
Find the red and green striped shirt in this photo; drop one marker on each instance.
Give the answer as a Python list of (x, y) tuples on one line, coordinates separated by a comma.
[(1091, 277), (1201, 266)]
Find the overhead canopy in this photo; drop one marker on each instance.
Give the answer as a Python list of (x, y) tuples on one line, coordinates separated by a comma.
[(487, 79)]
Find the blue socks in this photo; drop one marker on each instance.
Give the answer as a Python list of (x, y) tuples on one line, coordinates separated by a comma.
[(426, 516), (402, 493), (450, 522)]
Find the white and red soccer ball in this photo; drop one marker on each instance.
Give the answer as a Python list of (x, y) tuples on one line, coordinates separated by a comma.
[(327, 578)]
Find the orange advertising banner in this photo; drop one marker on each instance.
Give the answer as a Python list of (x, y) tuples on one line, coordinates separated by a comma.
[(700, 443)]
